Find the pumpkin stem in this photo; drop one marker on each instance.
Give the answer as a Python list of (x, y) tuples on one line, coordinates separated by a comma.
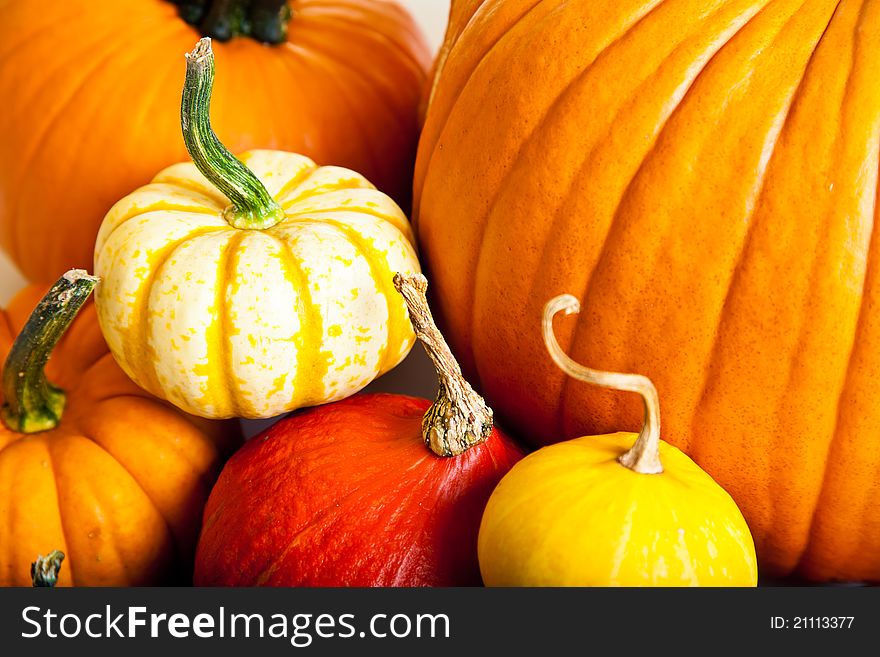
[(644, 456), (269, 20), (32, 403), (45, 570), (252, 205), (459, 418), (263, 20)]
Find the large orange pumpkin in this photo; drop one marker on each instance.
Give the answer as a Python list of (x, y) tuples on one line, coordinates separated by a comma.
[(111, 476), (91, 91), (705, 174)]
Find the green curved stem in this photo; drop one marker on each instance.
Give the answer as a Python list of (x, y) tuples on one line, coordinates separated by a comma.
[(45, 570), (32, 404), (263, 20), (252, 205)]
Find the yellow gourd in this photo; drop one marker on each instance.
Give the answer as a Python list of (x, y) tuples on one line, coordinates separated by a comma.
[(612, 510)]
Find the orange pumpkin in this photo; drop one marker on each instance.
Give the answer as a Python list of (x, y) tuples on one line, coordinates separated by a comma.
[(704, 174), (91, 93), (112, 477)]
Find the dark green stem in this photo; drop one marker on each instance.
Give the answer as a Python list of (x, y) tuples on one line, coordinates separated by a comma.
[(32, 404), (252, 205), (263, 20), (269, 20), (44, 571)]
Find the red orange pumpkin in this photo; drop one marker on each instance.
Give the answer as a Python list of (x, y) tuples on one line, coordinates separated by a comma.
[(348, 494)]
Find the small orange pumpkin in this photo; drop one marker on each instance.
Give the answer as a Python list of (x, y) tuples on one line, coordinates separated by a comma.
[(91, 93), (102, 471)]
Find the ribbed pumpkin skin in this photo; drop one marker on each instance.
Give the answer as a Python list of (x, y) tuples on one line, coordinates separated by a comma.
[(703, 177), (347, 494), (118, 486), (227, 322), (91, 93)]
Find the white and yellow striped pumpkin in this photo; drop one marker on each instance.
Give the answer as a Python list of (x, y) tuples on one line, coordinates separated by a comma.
[(251, 286), (223, 321)]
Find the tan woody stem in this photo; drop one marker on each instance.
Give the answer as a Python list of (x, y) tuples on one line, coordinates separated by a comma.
[(644, 456), (44, 571), (459, 418)]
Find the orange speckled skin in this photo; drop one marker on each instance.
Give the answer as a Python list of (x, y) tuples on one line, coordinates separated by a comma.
[(118, 486), (702, 175), (91, 107), (347, 494)]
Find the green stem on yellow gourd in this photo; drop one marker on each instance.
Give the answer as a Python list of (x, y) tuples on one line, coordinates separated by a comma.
[(459, 418), (32, 404), (263, 20), (45, 570), (644, 456), (252, 205)]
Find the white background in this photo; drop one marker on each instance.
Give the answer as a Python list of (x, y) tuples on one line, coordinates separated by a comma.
[(431, 15), (414, 376)]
